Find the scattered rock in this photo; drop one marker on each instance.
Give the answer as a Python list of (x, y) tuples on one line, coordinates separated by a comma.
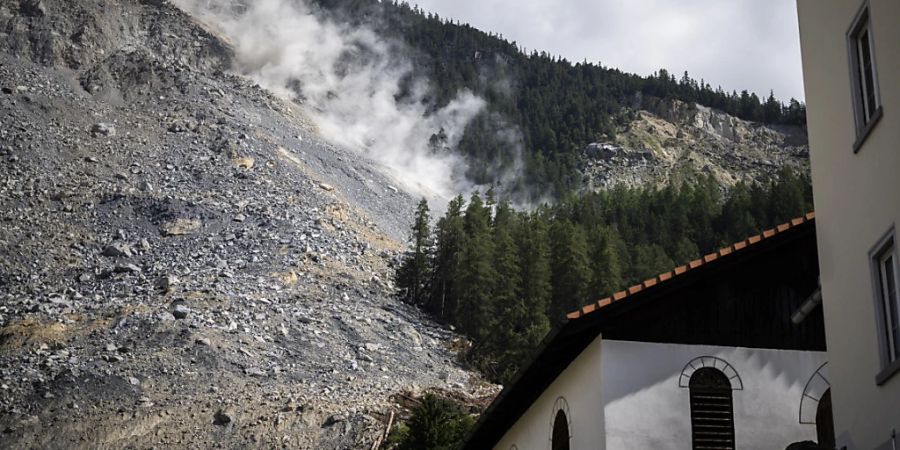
[(372, 347), (126, 268), (32, 8), (273, 297), (165, 283), (245, 162), (103, 129), (180, 311), (334, 419), (255, 372), (117, 250), (179, 227), (223, 417)]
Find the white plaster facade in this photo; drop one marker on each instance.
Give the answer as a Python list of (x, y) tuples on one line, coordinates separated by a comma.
[(631, 395), (857, 201)]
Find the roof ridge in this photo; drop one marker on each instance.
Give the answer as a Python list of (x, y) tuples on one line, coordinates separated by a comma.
[(666, 276)]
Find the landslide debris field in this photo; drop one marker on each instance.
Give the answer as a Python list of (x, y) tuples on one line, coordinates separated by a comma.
[(183, 262)]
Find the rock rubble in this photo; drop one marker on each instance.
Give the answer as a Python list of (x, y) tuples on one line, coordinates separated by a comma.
[(669, 141), (179, 268)]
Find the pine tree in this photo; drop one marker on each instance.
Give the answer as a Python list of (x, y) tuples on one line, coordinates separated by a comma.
[(787, 199), (478, 272), (570, 269), (648, 260), (704, 202), (772, 109), (506, 341), (417, 269), (450, 235), (534, 254), (736, 221), (605, 263), (507, 285)]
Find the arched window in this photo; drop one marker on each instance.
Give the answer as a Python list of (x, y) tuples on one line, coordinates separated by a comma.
[(560, 440), (825, 421), (712, 411)]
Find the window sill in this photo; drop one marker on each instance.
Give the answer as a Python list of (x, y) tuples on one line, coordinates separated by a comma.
[(864, 133), (888, 372)]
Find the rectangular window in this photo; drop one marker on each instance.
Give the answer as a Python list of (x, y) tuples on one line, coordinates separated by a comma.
[(866, 102), (887, 277)]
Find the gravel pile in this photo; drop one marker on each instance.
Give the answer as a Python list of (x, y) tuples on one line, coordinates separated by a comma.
[(183, 262)]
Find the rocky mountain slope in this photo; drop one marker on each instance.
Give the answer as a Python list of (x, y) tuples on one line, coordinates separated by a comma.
[(184, 263), (669, 141)]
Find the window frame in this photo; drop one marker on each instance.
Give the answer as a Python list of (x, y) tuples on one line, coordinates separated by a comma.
[(862, 23), (885, 248), (560, 406)]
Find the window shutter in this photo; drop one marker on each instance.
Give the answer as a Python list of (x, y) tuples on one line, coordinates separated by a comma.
[(712, 410)]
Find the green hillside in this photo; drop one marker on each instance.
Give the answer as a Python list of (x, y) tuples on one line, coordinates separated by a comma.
[(550, 106)]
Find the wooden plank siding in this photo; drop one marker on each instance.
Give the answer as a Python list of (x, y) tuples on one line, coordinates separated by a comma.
[(743, 305)]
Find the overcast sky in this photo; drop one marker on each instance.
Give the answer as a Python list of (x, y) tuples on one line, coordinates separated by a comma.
[(738, 44)]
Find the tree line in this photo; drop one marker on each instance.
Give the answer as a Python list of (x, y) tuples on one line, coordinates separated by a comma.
[(505, 277), (555, 107)]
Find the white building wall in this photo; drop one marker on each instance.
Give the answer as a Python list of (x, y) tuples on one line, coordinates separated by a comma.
[(579, 386), (626, 395), (645, 407), (857, 199)]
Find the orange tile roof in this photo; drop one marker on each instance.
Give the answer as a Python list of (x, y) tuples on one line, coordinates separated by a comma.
[(664, 277)]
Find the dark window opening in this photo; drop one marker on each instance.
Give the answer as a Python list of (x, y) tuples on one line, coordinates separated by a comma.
[(890, 303), (560, 432), (825, 421), (867, 77), (866, 103), (712, 410)]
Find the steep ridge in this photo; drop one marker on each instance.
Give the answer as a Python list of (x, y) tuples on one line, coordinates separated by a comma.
[(542, 111), (184, 262)]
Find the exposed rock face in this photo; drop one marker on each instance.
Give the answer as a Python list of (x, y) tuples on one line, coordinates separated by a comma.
[(172, 271), (670, 140)]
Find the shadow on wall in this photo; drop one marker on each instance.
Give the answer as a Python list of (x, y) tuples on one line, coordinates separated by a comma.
[(770, 395)]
